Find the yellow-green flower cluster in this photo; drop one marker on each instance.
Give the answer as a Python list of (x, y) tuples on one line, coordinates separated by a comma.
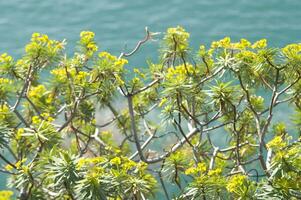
[(8, 167), (115, 161), (41, 97), (37, 92), (235, 182), (277, 143), (163, 101), (18, 165), (5, 58), (202, 50), (112, 61), (247, 56), (225, 43), (176, 39), (279, 129), (179, 74), (43, 48), (260, 44), (6, 194), (139, 73), (141, 166), (292, 51), (36, 120), (215, 172), (200, 168), (19, 133), (61, 76), (22, 65), (107, 56), (5, 87), (90, 161), (4, 112), (257, 102), (4, 81), (203, 53), (47, 117), (81, 78), (122, 163), (88, 43), (130, 164), (242, 44), (109, 66), (6, 62)]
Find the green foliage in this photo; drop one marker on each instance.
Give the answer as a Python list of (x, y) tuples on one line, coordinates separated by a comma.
[(194, 126)]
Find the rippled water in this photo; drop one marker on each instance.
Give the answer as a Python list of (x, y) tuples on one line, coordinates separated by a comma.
[(121, 23), (117, 23)]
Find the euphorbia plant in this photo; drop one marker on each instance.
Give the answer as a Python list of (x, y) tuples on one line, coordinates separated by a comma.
[(56, 143)]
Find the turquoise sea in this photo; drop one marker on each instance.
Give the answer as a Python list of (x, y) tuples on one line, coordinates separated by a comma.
[(120, 24)]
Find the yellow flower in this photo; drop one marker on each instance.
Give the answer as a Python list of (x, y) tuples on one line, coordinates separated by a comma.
[(202, 48), (87, 34), (6, 194), (5, 58), (87, 41), (4, 81), (35, 35), (97, 160), (47, 117), (179, 35), (37, 92), (19, 133), (60, 74), (260, 44), (179, 74), (81, 77), (137, 71), (276, 143), (141, 166), (119, 80), (25, 169), (9, 167), (225, 43), (107, 55), (4, 111), (20, 162), (116, 161), (244, 43), (81, 162), (201, 167), (163, 101), (36, 120), (121, 62), (217, 171), (92, 47), (191, 170), (129, 165), (136, 80), (292, 50), (235, 182)]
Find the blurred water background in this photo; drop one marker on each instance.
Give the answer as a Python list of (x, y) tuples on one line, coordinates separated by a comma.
[(120, 24)]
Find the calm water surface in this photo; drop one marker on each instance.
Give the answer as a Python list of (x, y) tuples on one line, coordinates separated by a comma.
[(119, 24)]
